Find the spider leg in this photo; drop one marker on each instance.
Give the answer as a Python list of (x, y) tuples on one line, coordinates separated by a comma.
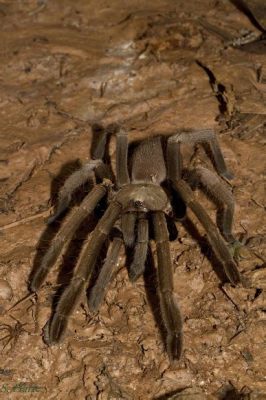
[(66, 233), (216, 240), (83, 272), (74, 181), (95, 167), (7, 343), (98, 291), (128, 221), (141, 248), (222, 196), (7, 336), (98, 152), (170, 312), (4, 327), (208, 136), (122, 175)]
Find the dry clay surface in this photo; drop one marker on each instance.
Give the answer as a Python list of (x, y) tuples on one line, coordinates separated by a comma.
[(154, 67)]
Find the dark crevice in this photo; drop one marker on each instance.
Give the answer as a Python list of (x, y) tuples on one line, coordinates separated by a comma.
[(243, 7), (174, 394), (258, 293), (218, 88)]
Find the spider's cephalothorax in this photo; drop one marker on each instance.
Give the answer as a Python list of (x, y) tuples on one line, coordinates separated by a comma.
[(136, 199)]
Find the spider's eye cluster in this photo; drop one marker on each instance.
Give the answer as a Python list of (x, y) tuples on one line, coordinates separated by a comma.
[(138, 204)]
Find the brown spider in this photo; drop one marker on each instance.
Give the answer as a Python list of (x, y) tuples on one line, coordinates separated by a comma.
[(13, 333), (136, 198)]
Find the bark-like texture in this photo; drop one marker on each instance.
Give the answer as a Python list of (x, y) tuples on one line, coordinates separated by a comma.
[(154, 66)]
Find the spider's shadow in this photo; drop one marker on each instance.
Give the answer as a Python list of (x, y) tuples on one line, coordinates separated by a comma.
[(52, 229)]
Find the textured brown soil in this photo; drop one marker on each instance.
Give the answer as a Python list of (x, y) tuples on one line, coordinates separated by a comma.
[(154, 67)]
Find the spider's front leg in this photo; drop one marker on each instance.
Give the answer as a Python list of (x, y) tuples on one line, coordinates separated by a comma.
[(141, 248), (65, 234), (82, 273), (170, 312), (97, 293)]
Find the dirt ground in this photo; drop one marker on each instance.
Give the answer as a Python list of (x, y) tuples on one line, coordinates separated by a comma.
[(154, 67)]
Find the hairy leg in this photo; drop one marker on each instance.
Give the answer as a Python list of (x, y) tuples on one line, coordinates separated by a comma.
[(83, 271), (221, 195), (128, 222), (174, 160), (66, 233), (122, 175), (73, 182), (98, 152), (216, 240), (170, 312), (98, 291), (94, 167), (141, 248)]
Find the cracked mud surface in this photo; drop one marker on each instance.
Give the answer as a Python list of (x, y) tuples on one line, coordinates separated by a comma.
[(155, 67)]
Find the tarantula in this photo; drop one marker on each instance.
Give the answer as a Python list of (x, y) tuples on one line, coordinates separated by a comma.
[(135, 199)]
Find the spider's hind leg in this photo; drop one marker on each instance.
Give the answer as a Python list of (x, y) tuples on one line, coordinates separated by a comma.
[(174, 158), (221, 195), (95, 167), (217, 242), (122, 175), (73, 182)]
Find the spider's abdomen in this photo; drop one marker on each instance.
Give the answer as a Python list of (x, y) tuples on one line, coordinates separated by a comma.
[(148, 163), (142, 197)]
